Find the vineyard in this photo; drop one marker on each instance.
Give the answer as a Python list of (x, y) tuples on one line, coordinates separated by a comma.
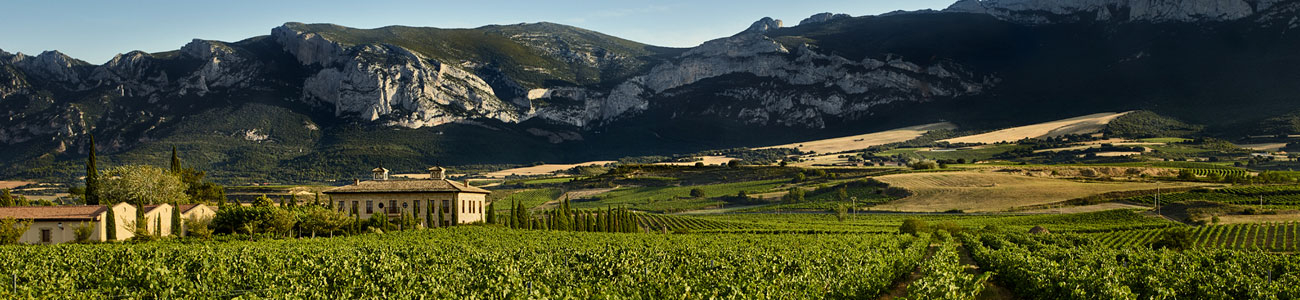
[(1220, 172), (1072, 267), (1277, 195), (681, 224), (1265, 236), (468, 263)]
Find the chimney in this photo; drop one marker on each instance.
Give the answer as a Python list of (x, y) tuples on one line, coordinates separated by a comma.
[(437, 173), (356, 181), (467, 182), (380, 173)]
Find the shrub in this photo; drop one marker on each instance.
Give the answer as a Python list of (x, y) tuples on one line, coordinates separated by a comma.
[(841, 212), (198, 228), (1177, 238), (82, 232), (795, 195), (924, 164), (697, 193), (11, 230), (912, 226)]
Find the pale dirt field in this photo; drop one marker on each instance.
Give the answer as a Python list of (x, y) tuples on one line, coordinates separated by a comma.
[(1117, 154), (1284, 217), (977, 191), (1270, 147), (545, 169), (707, 160), (862, 141), (1088, 124), (14, 184), (1085, 208)]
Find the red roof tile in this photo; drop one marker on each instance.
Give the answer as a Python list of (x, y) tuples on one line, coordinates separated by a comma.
[(66, 212)]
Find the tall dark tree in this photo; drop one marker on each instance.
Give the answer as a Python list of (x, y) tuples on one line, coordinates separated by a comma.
[(176, 162), (111, 225), (491, 214), (176, 220), (428, 214), (92, 176)]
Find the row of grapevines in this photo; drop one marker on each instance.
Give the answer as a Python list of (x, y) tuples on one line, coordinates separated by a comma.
[(1073, 267), (469, 263), (945, 277), (1264, 236)]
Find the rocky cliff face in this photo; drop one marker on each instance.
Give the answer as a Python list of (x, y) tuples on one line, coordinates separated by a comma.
[(390, 82), (814, 85), (1050, 11)]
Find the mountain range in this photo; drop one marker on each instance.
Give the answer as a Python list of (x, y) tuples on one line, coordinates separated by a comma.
[(312, 102)]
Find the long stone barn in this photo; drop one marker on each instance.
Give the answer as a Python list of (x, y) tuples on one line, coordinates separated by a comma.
[(57, 224), (451, 202)]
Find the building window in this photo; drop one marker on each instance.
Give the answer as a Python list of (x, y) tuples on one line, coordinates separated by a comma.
[(45, 236), (355, 206), (340, 206), (370, 207), (462, 206), (392, 206), (446, 206)]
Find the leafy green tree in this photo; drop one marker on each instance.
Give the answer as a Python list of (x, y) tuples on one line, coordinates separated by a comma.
[(92, 176), (841, 212), (697, 193), (5, 198), (1186, 174), (842, 194), (798, 177), (143, 185)]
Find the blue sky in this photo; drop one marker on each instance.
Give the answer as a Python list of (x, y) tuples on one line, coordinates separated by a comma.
[(95, 30)]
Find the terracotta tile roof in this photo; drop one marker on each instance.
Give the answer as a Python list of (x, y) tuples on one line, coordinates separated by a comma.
[(186, 207), (66, 212), (149, 208), (406, 186)]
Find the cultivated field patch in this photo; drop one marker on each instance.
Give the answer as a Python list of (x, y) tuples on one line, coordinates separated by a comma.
[(862, 141), (992, 192), (1088, 124)]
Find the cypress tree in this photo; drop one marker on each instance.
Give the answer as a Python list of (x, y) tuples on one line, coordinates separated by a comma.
[(111, 227), (176, 162), (491, 214), (176, 221), (439, 214), (610, 223), (428, 214), (92, 176), (582, 222)]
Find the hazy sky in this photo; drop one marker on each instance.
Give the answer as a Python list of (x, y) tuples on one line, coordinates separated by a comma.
[(95, 30)]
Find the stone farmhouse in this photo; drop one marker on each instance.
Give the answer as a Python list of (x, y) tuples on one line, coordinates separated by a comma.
[(435, 202), (57, 224)]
